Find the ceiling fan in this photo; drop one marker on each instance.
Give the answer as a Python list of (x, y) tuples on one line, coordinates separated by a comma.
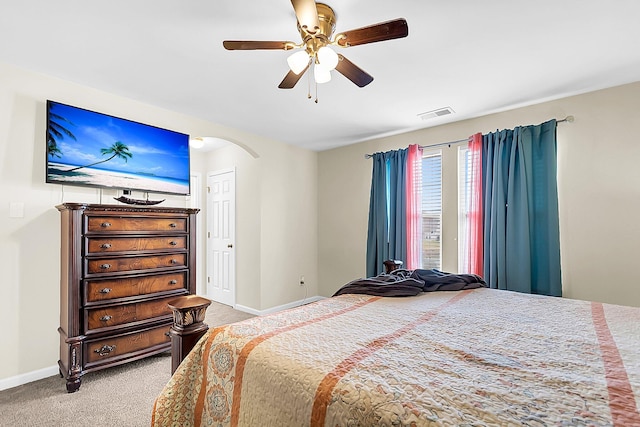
[(316, 24)]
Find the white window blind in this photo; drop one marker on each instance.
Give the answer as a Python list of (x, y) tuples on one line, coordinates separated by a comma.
[(432, 210), (464, 202)]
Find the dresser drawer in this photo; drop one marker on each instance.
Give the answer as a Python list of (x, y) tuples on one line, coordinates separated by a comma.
[(103, 317), (135, 263), (96, 245), (110, 224), (104, 290), (125, 346)]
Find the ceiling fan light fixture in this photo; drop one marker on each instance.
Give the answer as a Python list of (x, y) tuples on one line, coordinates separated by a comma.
[(321, 74), (298, 61), (327, 57)]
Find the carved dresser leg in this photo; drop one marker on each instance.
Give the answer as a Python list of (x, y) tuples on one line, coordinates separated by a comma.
[(73, 384)]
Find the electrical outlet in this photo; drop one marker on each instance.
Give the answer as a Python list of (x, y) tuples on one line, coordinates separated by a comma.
[(301, 280)]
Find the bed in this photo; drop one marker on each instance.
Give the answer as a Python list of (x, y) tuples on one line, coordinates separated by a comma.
[(478, 357)]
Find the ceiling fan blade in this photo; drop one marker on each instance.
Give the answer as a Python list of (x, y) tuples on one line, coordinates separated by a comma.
[(255, 45), (291, 79), (353, 72), (307, 15), (389, 30)]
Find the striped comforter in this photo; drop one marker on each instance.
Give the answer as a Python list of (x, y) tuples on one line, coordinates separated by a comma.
[(479, 357)]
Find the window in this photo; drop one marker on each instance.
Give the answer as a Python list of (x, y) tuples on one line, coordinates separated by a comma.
[(464, 204), (453, 165), (432, 210)]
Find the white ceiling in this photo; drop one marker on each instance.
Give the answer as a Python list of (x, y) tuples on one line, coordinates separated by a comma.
[(476, 57)]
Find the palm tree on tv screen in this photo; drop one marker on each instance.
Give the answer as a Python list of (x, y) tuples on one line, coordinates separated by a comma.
[(118, 149), (56, 131), (52, 149)]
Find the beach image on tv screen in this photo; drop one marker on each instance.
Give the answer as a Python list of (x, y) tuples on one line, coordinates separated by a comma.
[(94, 149)]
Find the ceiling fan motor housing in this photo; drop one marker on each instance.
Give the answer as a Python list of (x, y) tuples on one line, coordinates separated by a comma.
[(321, 37)]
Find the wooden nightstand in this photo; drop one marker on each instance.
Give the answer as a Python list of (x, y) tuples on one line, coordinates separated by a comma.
[(188, 326)]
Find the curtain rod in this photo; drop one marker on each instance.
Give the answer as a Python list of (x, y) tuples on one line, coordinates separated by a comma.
[(568, 119)]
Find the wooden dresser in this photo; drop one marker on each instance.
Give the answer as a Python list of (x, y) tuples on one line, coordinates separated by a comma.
[(120, 266)]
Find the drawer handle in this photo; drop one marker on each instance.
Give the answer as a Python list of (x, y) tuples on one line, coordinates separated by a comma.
[(106, 318), (105, 290), (105, 224), (104, 350), (173, 282), (105, 245), (105, 266), (173, 243), (174, 261), (167, 334), (173, 225)]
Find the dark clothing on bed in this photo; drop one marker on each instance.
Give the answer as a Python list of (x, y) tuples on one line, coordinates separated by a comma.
[(402, 283), (395, 284), (435, 280)]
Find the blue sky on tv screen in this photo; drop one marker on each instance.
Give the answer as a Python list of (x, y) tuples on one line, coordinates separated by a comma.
[(155, 151)]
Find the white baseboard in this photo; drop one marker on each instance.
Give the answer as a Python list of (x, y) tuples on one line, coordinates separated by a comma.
[(28, 377), (278, 308)]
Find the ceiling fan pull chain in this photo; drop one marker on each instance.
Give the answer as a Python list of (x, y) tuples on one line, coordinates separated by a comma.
[(308, 85), (316, 93)]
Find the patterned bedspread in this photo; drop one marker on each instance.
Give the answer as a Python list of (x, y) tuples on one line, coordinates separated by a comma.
[(478, 357)]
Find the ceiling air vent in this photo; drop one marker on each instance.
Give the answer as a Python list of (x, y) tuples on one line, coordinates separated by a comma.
[(436, 113)]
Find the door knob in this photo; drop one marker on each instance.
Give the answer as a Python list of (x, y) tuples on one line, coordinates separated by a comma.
[(229, 245)]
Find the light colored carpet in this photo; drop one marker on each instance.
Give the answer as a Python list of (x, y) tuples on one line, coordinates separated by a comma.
[(119, 396)]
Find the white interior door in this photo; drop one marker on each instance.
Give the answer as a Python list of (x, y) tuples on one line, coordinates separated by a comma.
[(221, 202)]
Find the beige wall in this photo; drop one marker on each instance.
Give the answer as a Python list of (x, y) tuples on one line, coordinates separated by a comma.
[(271, 176), (599, 193), (290, 219)]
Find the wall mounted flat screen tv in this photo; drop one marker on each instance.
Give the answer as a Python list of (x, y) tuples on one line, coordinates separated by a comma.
[(87, 148)]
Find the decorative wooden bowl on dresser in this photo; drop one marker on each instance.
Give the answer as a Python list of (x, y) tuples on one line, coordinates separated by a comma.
[(120, 266)]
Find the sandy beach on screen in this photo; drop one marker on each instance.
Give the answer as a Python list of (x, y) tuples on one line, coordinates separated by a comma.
[(96, 177)]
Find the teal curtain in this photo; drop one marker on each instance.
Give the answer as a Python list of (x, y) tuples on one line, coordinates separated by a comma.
[(378, 232), (521, 223), (387, 231)]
